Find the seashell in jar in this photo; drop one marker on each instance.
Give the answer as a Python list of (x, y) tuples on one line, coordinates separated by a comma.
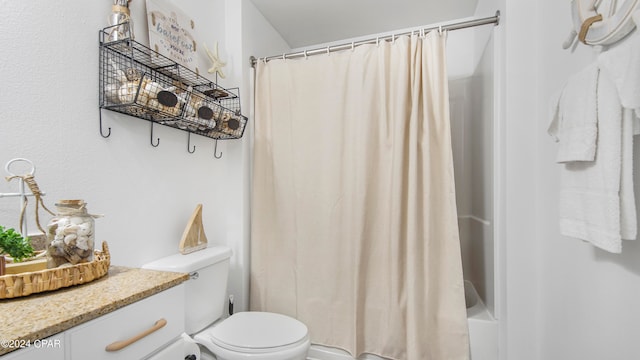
[(62, 222), (75, 258), (111, 92), (195, 101), (70, 239), (86, 253), (76, 220), (152, 88), (133, 74), (69, 229), (84, 229), (82, 242), (143, 96), (56, 248), (154, 104), (127, 92), (189, 111), (175, 111), (120, 77)]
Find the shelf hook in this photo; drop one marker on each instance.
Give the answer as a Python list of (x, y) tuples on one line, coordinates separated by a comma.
[(151, 137), (102, 132), (215, 151), (189, 144)]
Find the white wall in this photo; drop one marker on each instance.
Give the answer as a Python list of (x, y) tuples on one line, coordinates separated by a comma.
[(565, 299), (50, 115), (49, 111), (589, 298), (252, 36), (518, 110)]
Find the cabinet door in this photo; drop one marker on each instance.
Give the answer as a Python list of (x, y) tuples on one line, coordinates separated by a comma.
[(132, 332), (50, 348)]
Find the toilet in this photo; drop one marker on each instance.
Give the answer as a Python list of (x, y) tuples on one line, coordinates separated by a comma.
[(245, 335)]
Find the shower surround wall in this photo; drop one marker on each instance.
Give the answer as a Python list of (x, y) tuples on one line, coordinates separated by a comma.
[(472, 118)]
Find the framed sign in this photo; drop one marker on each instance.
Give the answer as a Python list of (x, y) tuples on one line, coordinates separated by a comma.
[(171, 33)]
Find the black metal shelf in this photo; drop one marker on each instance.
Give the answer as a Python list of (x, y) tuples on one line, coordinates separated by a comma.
[(137, 81)]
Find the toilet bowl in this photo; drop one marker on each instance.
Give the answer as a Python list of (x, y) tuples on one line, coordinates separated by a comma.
[(256, 335), (245, 335)]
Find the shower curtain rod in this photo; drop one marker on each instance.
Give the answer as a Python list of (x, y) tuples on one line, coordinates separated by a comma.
[(328, 49)]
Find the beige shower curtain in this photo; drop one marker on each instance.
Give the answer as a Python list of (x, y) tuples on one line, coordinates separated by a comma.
[(354, 224)]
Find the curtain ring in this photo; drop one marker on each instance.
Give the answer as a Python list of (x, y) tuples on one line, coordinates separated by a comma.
[(352, 46), (440, 29), (305, 55), (284, 56), (377, 40), (393, 38), (422, 32), (328, 50)]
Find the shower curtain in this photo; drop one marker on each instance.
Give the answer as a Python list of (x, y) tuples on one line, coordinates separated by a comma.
[(354, 224)]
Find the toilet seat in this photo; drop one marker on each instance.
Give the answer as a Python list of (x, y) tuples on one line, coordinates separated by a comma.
[(256, 333)]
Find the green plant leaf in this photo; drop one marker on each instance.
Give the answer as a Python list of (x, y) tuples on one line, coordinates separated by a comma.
[(12, 243)]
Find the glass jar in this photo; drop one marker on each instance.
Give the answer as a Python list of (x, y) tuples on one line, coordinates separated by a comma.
[(120, 23), (70, 234), (230, 124)]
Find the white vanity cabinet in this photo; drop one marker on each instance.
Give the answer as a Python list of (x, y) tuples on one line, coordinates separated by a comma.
[(132, 332), (50, 348)]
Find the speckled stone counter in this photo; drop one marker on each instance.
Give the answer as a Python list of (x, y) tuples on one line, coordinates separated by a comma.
[(41, 315)]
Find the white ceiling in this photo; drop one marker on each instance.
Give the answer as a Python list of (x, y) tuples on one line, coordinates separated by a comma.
[(308, 22)]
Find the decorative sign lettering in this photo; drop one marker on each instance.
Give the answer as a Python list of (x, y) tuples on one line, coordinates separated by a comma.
[(171, 33)]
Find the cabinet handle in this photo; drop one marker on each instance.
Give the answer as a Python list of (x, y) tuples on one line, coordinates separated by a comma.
[(119, 345)]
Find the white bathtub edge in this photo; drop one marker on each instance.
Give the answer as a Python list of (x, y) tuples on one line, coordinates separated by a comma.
[(483, 336), (478, 311), (483, 329)]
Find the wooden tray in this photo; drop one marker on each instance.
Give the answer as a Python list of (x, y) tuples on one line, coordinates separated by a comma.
[(27, 283)]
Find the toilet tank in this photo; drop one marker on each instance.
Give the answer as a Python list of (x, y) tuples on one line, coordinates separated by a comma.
[(206, 289)]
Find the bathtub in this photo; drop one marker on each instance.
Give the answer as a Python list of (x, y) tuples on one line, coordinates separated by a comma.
[(483, 328), (483, 334)]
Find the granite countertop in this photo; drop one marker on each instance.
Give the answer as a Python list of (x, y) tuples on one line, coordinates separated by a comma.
[(41, 315)]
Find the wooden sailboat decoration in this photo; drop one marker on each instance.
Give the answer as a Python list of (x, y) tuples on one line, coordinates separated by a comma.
[(193, 238)]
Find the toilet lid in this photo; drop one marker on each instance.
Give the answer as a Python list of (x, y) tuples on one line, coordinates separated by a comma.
[(259, 330)]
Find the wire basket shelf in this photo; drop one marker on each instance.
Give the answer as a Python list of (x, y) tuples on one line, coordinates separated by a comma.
[(137, 81)]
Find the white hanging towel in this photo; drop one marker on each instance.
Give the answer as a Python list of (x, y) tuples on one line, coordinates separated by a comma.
[(621, 63), (574, 116), (596, 197), (628, 219)]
